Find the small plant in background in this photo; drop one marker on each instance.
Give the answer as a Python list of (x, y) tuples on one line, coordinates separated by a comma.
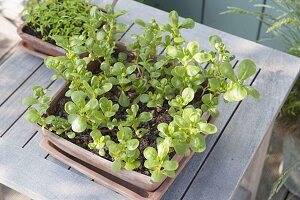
[(286, 25), (141, 108), (56, 21)]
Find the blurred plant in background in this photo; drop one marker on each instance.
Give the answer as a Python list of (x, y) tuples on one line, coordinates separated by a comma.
[(287, 25), (284, 23)]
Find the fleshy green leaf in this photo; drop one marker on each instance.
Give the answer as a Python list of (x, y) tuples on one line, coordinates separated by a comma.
[(71, 134), (145, 116), (124, 100), (193, 47), (150, 153), (198, 143), (188, 95), (76, 95), (163, 128), (246, 69), (157, 176), (173, 16), (227, 71), (96, 134), (144, 98), (170, 165), (79, 124), (28, 101), (207, 128), (70, 107), (187, 23), (202, 57), (192, 70), (140, 22), (213, 40), (236, 93), (172, 51), (132, 144), (252, 91), (116, 165), (162, 150), (124, 133)]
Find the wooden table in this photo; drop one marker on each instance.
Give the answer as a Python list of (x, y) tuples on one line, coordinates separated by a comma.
[(230, 167)]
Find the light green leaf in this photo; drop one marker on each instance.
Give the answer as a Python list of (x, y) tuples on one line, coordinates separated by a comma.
[(70, 107), (182, 123), (207, 128), (193, 47), (91, 105), (202, 57), (163, 128), (198, 143), (179, 40), (236, 93), (145, 116), (132, 144), (140, 22), (213, 40), (124, 100), (157, 176), (172, 51), (170, 165), (173, 16), (28, 101), (95, 134), (252, 91), (124, 133), (214, 83), (192, 70), (187, 23), (181, 148), (79, 124), (188, 95), (71, 134), (168, 173), (116, 165), (76, 95), (162, 150), (144, 98), (227, 71), (150, 153), (246, 69)]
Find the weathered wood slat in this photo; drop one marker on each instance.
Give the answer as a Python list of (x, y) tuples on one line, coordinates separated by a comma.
[(8, 36), (14, 71), (240, 140), (22, 130), (48, 177), (13, 107), (45, 180)]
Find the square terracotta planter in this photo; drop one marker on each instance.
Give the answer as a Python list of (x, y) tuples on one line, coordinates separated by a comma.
[(36, 46), (128, 183)]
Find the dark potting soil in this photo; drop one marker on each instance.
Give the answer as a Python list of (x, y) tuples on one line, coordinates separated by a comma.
[(29, 29), (160, 115)]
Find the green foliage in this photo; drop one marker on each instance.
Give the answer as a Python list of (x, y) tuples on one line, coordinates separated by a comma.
[(125, 152), (119, 106), (99, 141), (56, 17), (159, 163)]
